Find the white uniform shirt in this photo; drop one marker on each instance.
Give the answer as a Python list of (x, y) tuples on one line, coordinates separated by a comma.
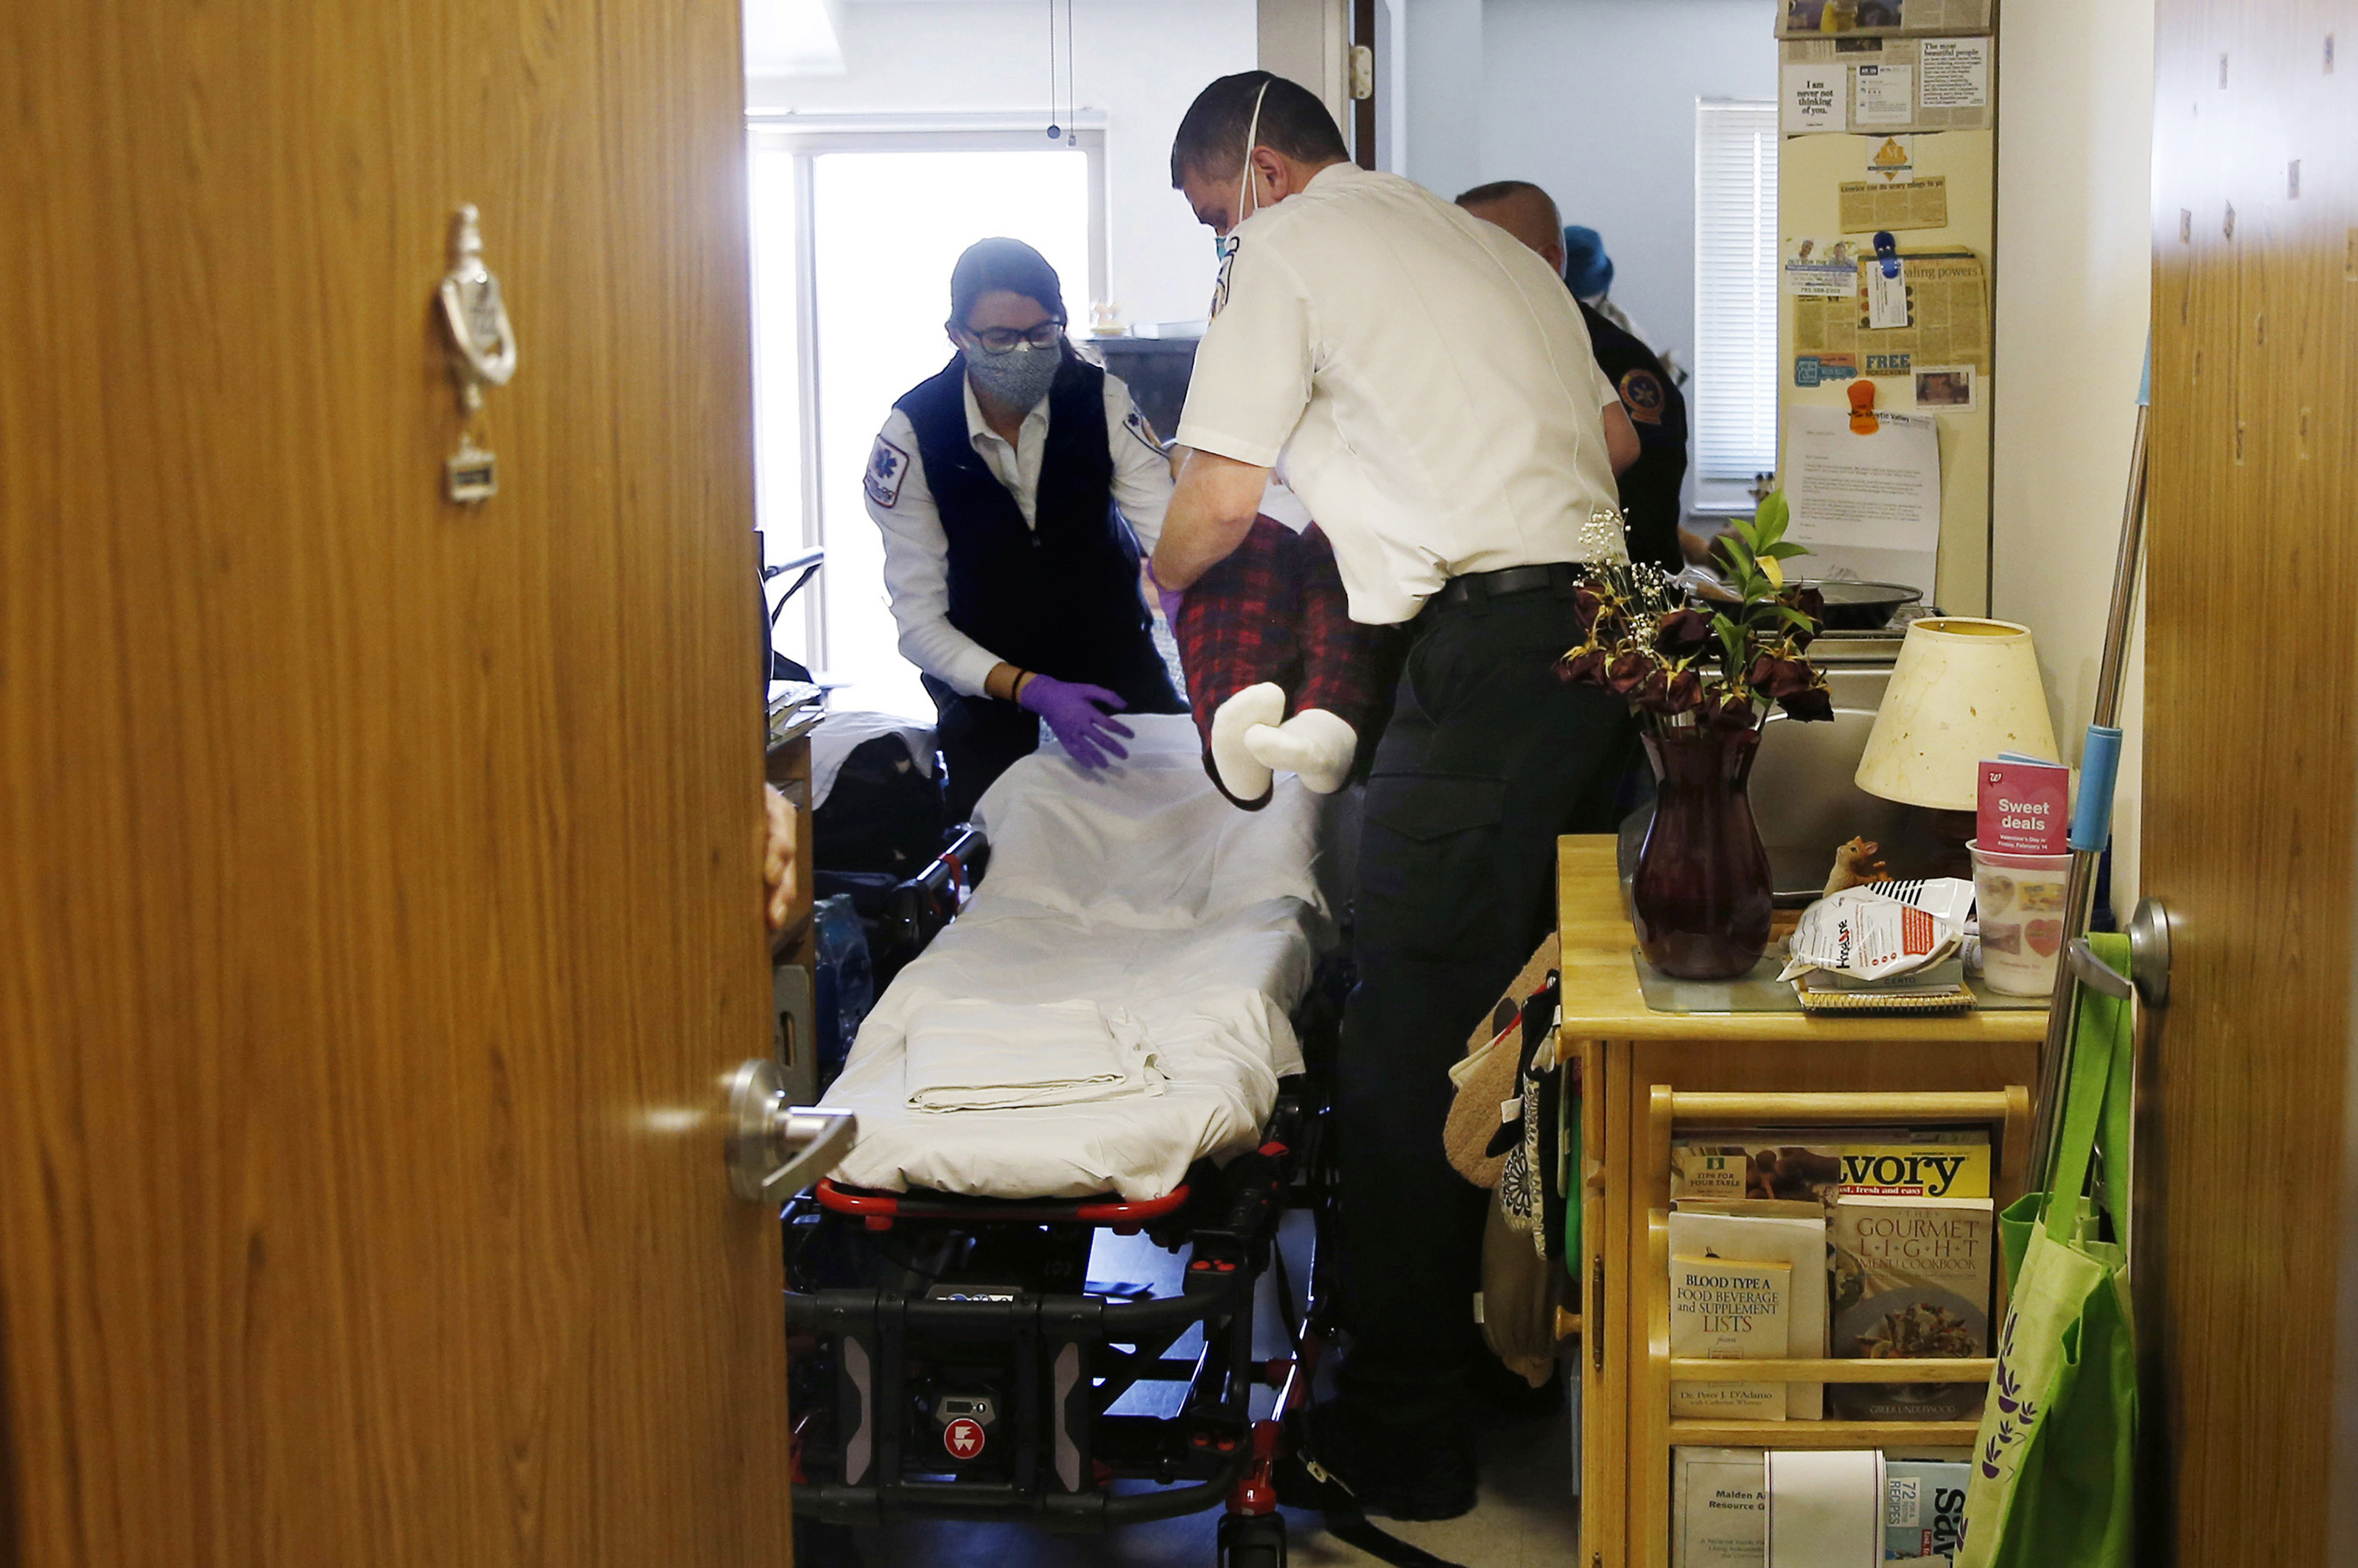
[(1426, 378), (916, 550)]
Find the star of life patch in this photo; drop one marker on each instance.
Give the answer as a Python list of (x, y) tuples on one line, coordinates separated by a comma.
[(1641, 395), (888, 465), (1137, 425)]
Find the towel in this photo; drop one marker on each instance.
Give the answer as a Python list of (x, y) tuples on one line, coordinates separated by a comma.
[(967, 1054)]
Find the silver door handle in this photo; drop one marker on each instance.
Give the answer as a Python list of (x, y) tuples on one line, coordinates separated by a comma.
[(776, 1150), (2148, 937), (2096, 974)]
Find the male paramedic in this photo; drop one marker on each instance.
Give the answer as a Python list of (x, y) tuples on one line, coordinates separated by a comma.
[(1015, 490), (1650, 393), (1430, 388)]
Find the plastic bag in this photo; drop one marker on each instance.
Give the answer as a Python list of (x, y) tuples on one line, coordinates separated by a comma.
[(1882, 929)]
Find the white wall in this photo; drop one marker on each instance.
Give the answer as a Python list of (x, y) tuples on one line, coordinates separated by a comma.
[(1595, 99), (2074, 277), (1442, 88), (1137, 62)]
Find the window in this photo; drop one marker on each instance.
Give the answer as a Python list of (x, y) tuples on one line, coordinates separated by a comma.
[(854, 234), (1736, 299)]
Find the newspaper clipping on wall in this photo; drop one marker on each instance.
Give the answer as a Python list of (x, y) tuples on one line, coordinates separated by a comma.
[(1870, 205), (1947, 325), (1847, 83), (1849, 18)]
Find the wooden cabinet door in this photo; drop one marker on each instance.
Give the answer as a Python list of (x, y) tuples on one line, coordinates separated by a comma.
[(2246, 1250), (378, 874)]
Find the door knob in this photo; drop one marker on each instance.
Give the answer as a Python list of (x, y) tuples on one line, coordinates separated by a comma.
[(776, 1150), (2149, 950)]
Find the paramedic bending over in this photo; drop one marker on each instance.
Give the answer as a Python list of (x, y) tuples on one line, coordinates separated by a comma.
[(1002, 485), (1431, 386)]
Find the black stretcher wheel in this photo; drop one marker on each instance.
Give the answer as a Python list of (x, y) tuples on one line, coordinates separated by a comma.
[(1248, 1541)]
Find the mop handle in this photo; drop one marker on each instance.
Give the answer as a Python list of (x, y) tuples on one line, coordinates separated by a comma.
[(2100, 767), (2092, 817), (2100, 755)]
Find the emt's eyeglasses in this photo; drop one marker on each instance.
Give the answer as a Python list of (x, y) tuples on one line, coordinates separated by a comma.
[(1004, 339)]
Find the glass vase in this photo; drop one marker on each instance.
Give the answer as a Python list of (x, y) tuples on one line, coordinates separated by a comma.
[(1703, 891)]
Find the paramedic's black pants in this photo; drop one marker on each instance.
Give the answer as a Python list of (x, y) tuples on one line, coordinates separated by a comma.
[(1488, 759), (981, 738)]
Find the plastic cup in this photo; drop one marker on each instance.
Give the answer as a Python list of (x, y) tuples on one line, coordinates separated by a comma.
[(2020, 901)]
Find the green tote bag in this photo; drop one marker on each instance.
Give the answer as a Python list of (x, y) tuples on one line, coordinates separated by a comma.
[(2054, 1461)]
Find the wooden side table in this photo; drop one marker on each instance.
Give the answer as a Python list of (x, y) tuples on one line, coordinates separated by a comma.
[(1643, 1072)]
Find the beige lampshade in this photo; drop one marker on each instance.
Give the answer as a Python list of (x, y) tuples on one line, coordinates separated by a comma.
[(1965, 689)]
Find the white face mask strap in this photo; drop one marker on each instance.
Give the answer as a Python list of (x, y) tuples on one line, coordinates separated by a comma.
[(1252, 140)]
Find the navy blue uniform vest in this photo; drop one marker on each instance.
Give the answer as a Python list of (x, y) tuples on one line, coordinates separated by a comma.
[(1061, 597), (1648, 487)]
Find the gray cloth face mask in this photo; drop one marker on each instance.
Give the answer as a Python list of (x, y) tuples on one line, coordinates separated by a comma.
[(1019, 378)]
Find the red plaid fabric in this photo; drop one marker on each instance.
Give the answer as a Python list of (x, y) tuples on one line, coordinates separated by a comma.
[(1347, 668), (1275, 610)]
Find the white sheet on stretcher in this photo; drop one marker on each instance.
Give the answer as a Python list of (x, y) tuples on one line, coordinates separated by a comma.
[(1146, 894)]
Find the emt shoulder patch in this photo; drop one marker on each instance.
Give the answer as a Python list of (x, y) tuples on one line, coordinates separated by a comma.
[(1641, 395), (888, 465), (1136, 426)]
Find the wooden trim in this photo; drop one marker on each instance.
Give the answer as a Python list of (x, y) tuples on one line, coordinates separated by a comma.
[(1689, 1369), (1819, 1434), (2014, 1152), (1650, 1459), (1605, 1519), (1363, 110), (1836, 1110)]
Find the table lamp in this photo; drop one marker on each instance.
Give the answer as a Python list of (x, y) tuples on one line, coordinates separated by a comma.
[(1963, 690)]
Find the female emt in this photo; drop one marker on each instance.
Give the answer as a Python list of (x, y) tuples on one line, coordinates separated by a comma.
[(1015, 490)]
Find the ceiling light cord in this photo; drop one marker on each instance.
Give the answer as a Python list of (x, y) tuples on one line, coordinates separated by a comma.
[(1055, 130)]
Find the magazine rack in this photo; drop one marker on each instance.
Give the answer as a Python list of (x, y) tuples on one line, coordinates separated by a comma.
[(1650, 1074), (2006, 1113)]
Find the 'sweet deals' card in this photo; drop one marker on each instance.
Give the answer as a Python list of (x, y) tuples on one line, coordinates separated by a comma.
[(2026, 807)]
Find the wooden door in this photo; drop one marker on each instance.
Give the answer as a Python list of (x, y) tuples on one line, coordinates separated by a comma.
[(2251, 755), (378, 874)]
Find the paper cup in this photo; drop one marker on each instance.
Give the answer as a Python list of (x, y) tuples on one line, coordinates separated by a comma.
[(2020, 904)]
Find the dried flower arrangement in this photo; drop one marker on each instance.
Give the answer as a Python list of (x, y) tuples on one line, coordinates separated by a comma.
[(1682, 663)]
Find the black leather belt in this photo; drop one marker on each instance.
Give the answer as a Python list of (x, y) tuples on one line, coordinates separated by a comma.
[(1475, 588)]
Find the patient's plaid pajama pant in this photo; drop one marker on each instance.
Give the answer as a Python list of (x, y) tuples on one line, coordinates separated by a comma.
[(1275, 610)]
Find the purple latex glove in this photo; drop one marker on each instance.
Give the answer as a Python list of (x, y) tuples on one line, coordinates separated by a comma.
[(1171, 599), (1082, 717)]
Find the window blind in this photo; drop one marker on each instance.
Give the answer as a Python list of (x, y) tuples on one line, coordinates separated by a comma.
[(1735, 290)]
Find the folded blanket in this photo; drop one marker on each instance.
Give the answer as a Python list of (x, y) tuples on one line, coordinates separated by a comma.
[(967, 1055)]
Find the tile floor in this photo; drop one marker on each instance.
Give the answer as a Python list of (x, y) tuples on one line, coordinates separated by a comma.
[(1527, 1515)]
